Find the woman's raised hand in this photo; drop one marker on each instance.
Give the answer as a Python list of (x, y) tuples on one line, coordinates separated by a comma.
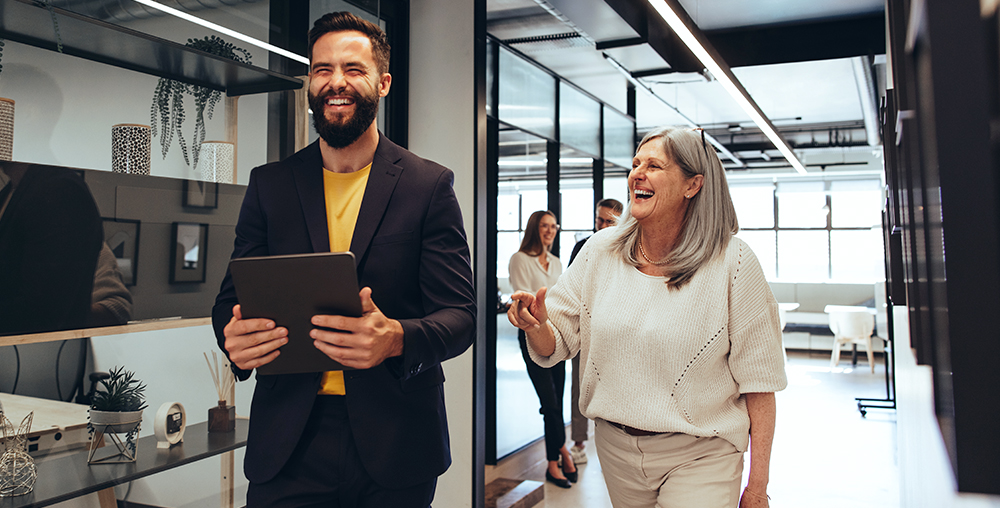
[(527, 311)]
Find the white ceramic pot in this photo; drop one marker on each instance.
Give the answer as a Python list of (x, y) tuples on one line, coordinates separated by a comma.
[(215, 161), (115, 422)]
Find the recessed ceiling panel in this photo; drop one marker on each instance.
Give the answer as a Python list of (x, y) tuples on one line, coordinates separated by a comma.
[(638, 58), (705, 103), (596, 18), (720, 14), (818, 92)]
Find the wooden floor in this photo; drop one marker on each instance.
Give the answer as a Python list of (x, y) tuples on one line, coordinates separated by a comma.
[(825, 454)]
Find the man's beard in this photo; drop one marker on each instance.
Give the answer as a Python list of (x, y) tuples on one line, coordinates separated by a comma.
[(342, 134)]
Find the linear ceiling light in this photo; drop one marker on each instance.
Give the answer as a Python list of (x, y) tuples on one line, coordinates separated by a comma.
[(725, 77), (221, 29), (639, 84)]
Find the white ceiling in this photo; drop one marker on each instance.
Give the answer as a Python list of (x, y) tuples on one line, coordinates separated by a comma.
[(814, 96)]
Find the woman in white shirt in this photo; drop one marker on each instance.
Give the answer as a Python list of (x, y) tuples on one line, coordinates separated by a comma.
[(678, 336), (533, 267)]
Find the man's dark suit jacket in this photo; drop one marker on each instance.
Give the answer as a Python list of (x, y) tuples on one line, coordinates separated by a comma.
[(411, 249)]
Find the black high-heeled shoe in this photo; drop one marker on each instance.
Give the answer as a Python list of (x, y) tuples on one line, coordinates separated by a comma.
[(559, 482), (572, 477)]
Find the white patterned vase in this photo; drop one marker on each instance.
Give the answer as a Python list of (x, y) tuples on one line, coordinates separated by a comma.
[(130, 148), (6, 129), (215, 162)]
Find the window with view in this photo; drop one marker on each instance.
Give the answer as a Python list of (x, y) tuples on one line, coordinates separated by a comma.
[(813, 231)]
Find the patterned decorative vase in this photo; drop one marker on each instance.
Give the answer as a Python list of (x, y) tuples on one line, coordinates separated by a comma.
[(130, 148), (215, 163), (6, 129)]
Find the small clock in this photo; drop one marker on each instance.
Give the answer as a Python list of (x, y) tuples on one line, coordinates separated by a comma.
[(169, 424)]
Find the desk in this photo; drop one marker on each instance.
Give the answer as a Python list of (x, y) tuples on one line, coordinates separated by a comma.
[(848, 308), (56, 425), (64, 478)]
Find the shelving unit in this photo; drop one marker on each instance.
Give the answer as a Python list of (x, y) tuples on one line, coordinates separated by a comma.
[(29, 23), (60, 479)]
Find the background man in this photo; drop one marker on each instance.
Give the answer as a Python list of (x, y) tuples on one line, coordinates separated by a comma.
[(375, 436), (608, 211)]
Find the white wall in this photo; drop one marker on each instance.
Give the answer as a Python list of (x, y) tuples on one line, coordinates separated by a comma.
[(442, 128)]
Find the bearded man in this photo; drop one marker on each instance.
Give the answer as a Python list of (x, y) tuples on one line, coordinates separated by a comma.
[(376, 435)]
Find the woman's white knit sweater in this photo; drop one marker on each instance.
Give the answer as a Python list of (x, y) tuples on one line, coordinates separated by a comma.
[(668, 360)]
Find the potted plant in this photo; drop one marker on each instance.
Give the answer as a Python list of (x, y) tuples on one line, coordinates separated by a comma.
[(167, 112), (116, 408)]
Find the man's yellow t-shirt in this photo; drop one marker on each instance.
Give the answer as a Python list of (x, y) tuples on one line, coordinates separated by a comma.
[(344, 192)]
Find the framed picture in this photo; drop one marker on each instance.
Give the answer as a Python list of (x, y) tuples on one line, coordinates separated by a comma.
[(200, 194), (189, 253), (122, 237)]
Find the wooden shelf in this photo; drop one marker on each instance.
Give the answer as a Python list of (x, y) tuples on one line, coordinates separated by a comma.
[(65, 478), (142, 326), (28, 23)]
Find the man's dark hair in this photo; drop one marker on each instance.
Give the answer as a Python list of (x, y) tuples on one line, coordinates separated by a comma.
[(613, 204), (345, 21)]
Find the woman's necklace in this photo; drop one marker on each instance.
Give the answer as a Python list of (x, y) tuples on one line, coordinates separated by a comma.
[(643, 252)]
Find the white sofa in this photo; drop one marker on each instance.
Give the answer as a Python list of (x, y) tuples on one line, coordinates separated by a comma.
[(807, 326)]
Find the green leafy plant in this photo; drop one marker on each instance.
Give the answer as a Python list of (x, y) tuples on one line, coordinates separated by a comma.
[(167, 112), (55, 24), (120, 392)]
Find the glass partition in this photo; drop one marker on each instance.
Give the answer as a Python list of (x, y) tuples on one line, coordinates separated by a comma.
[(527, 96), (579, 120), (616, 182), (528, 129), (619, 138), (491, 78), (522, 190), (576, 190)]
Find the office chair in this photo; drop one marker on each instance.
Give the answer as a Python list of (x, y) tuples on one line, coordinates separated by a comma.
[(852, 328)]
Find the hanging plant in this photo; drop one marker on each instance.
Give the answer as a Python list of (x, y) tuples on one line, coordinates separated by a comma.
[(167, 112), (55, 23)]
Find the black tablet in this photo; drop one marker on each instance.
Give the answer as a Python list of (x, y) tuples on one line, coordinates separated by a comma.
[(291, 290)]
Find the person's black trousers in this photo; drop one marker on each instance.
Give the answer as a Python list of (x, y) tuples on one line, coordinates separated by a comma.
[(550, 384), (326, 471)]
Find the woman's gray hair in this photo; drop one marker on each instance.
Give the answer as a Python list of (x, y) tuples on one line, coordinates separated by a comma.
[(710, 221)]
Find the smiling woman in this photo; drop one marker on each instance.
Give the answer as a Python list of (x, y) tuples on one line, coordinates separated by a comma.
[(534, 268), (681, 215), (678, 336)]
